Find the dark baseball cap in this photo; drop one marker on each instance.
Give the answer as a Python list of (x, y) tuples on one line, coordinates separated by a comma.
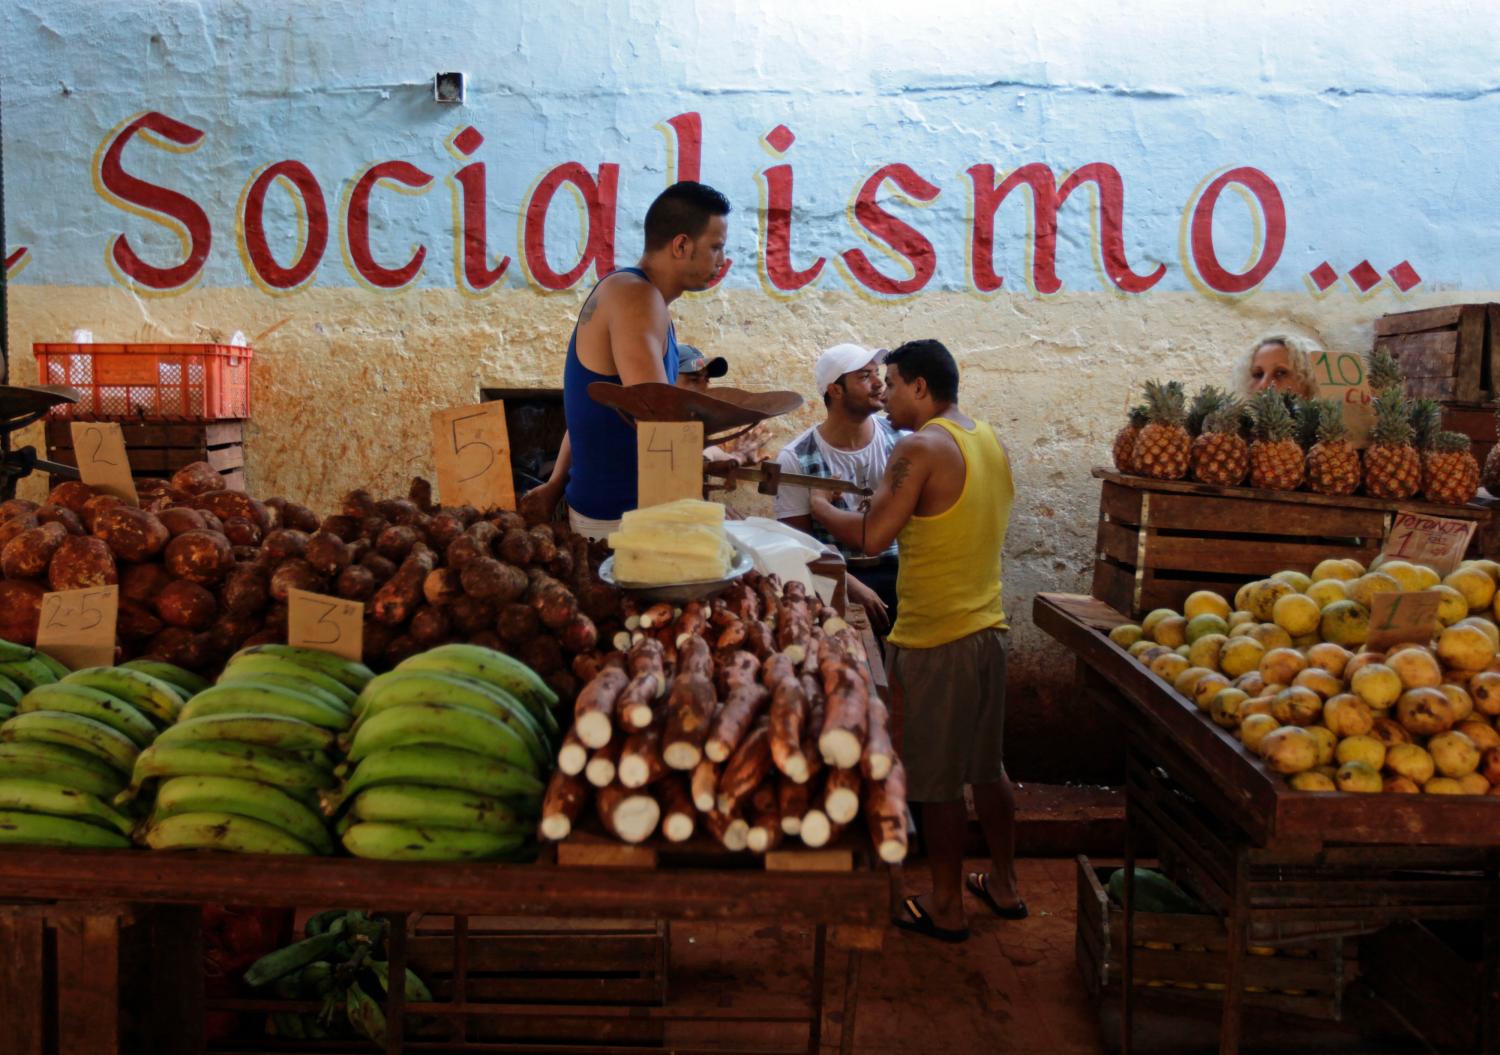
[(691, 361)]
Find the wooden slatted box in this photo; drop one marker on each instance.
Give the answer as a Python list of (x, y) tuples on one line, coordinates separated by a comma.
[(1182, 955), (1447, 353), (159, 449), (1160, 540)]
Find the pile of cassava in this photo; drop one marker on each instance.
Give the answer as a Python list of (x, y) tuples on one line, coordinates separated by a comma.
[(753, 713)]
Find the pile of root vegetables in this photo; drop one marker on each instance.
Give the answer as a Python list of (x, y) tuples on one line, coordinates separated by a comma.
[(204, 571), (752, 717)]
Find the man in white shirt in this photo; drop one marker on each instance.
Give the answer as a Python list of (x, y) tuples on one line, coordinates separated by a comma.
[(851, 444)]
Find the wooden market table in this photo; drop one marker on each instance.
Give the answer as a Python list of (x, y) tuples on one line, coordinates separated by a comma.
[(1278, 865), (846, 910)]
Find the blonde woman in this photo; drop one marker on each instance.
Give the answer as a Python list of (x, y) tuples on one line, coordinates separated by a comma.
[(1280, 361)]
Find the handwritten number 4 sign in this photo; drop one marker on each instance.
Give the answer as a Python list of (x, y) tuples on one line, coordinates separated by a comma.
[(328, 624), (77, 627), (669, 460), (471, 448)]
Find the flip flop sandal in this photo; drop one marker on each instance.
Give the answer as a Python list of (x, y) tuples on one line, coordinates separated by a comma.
[(921, 923), (979, 885)]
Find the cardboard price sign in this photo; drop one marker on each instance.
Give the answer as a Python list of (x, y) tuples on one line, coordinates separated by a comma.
[(1396, 618), (328, 624), (1340, 376), (471, 448), (102, 462), (77, 627), (669, 461), (1438, 542)]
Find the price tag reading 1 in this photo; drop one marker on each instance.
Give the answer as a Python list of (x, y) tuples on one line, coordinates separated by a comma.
[(1340, 376), (1438, 542), (669, 461), (102, 463), (471, 449), (328, 624), (1396, 618), (77, 627)]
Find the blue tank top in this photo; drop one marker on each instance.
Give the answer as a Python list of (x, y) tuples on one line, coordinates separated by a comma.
[(602, 484)]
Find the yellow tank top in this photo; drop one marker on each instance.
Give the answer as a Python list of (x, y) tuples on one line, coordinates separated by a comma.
[(948, 586)]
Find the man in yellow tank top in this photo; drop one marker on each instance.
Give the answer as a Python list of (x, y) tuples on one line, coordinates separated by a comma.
[(946, 499)]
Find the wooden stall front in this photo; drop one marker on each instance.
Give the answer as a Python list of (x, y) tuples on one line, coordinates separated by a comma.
[(1280, 866)]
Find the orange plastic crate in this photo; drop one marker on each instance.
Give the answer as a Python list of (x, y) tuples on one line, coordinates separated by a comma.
[(180, 382)]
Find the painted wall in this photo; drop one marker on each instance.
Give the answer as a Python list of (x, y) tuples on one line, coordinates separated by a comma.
[(1073, 198)]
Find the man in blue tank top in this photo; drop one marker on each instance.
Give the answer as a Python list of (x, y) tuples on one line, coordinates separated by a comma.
[(624, 335)]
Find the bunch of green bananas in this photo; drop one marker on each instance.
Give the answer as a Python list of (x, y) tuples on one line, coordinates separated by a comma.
[(70, 742), (338, 962), (241, 767), (447, 759)]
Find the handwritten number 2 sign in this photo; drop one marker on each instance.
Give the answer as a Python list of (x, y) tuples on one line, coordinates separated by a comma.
[(669, 460), (99, 447), (471, 448), (328, 624), (77, 627)]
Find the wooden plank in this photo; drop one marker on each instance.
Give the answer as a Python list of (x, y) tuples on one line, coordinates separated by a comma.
[(831, 859), (23, 990), (159, 434), (1231, 556), (1192, 487), (1121, 504), (1416, 321), (583, 850), (1492, 347), (1439, 388), (1115, 586), (1430, 354), (528, 989), (713, 891), (1256, 517), (857, 939), (221, 458), (88, 984), (1119, 542), (1470, 359), (175, 956), (544, 953)]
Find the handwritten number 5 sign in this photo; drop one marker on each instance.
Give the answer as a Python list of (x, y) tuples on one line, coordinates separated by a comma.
[(471, 448), (77, 627)]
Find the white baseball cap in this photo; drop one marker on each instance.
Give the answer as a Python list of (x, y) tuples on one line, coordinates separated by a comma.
[(843, 359)]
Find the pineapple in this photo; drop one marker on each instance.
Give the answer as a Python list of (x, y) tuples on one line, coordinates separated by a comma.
[(1426, 417), (1332, 465), (1384, 371), (1276, 461), (1220, 454), (1392, 467), (1207, 400), (1161, 449), (1124, 445), (1449, 472), (1492, 464)]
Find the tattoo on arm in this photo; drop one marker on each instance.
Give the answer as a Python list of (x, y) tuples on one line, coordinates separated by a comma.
[(900, 470), (587, 313)]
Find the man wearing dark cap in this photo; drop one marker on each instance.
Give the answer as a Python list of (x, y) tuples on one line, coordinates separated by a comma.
[(695, 370)]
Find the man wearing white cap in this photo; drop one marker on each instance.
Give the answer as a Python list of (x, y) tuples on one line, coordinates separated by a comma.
[(853, 444)]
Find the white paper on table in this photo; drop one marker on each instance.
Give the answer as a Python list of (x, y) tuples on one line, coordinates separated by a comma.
[(776, 548)]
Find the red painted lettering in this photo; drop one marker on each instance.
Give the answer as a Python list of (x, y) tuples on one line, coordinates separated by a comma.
[(473, 224), (357, 225), (1046, 198), (299, 180), (1272, 210), (685, 146), (177, 212), (599, 199), (899, 235), (777, 221), (13, 262)]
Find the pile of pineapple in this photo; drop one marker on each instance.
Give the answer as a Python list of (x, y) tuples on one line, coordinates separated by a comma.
[(1285, 668), (1282, 443)]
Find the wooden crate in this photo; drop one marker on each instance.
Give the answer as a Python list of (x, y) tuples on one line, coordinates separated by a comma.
[(1159, 540), (1474, 420), (1182, 955), (159, 449), (1430, 981), (1448, 353), (89, 979)]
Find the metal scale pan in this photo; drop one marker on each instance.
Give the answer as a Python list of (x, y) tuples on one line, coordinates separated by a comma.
[(725, 412), (20, 407)]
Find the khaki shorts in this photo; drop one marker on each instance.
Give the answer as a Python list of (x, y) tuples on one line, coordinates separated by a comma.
[(954, 714)]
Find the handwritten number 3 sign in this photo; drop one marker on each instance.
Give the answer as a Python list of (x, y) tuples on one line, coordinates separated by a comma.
[(328, 624), (669, 460), (471, 448)]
